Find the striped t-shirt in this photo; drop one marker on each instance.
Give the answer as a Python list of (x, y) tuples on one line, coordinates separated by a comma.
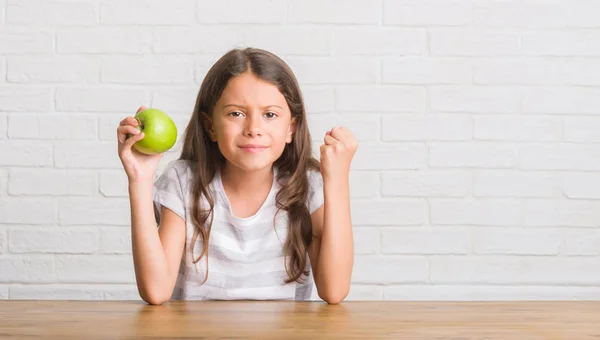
[(245, 255)]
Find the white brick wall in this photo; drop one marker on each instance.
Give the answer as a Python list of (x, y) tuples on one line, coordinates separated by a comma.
[(477, 175)]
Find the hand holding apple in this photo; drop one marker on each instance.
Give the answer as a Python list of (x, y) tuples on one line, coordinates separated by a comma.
[(142, 140)]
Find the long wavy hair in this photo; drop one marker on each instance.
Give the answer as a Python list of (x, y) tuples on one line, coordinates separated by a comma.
[(293, 164)]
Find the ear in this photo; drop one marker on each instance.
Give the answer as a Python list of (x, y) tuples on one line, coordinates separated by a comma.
[(208, 126), (291, 130)]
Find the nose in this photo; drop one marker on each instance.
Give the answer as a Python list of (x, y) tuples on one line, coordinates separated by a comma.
[(253, 126)]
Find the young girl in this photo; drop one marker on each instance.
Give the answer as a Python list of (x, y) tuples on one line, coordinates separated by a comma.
[(245, 212)]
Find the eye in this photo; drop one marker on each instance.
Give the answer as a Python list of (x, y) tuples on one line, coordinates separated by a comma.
[(235, 114), (270, 115)]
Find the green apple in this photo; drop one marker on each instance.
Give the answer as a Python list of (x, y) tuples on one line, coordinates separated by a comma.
[(160, 132)]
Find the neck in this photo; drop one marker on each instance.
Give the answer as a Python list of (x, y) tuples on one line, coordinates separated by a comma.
[(240, 181)]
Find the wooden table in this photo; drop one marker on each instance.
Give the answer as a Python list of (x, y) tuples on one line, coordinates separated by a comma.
[(299, 320)]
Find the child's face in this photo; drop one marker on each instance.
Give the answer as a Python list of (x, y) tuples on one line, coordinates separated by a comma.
[(251, 123)]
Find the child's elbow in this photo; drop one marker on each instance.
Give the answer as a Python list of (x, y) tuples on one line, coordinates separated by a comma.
[(154, 299), (334, 296)]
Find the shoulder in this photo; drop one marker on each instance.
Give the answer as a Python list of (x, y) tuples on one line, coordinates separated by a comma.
[(315, 180), (176, 175)]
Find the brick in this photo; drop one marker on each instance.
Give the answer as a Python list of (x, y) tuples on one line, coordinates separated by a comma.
[(474, 99), (95, 269), (559, 157), (3, 182), (2, 22), (355, 12), (561, 43), (53, 12), (390, 269), (429, 127), (32, 182), (195, 40), (367, 240), (103, 40), (53, 240), (27, 269), (25, 153), (147, 12), (318, 99), (581, 13), (20, 40), (56, 126), (148, 70), (581, 129), (87, 155), (315, 70), (108, 123), (424, 241), (175, 99), (397, 212), (492, 293), (3, 239), (426, 13), (425, 183), (2, 65), (375, 156), (364, 184), (581, 242), (114, 183), (364, 293), (84, 211), (561, 100), (103, 99), (115, 240), (62, 69), (381, 41), (514, 72), (472, 155), (514, 270), (480, 42), (582, 185), (236, 12), (384, 98), (19, 211), (25, 98), (515, 13), (202, 65), (475, 212), (518, 128), (516, 241), (3, 126), (561, 213), (425, 70), (363, 127), (289, 40), (514, 183), (55, 292), (122, 292)]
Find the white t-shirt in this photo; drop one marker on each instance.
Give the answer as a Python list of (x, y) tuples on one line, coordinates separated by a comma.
[(245, 255)]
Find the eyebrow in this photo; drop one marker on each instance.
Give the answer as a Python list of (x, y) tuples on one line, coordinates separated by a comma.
[(264, 107)]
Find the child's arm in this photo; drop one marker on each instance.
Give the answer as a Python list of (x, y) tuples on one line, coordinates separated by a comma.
[(156, 252), (332, 250)]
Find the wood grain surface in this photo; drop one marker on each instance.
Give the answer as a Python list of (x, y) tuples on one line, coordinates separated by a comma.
[(299, 320)]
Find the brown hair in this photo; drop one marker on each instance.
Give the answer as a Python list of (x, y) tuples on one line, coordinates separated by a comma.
[(292, 166)]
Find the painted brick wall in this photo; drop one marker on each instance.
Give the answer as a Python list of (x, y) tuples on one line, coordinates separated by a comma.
[(477, 175)]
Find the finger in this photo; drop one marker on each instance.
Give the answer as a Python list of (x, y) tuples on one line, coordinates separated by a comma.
[(338, 133), (124, 131), (129, 121), (142, 108), (133, 139), (329, 140)]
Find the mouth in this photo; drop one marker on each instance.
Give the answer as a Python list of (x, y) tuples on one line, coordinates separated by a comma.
[(253, 148)]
